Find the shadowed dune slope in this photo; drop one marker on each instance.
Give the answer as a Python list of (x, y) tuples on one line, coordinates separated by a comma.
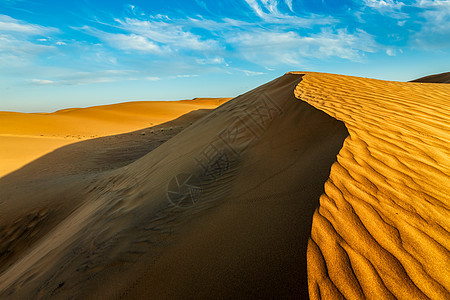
[(381, 230), (436, 78), (27, 136), (40, 195), (222, 210)]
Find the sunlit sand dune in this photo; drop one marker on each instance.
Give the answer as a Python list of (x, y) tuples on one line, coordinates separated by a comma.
[(25, 137), (381, 228), (312, 185)]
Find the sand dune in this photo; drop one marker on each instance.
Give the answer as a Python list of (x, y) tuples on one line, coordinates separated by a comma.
[(436, 78), (25, 136), (381, 229), (40, 195), (314, 183)]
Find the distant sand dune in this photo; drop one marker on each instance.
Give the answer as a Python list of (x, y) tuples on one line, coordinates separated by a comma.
[(27, 136), (437, 78), (319, 184)]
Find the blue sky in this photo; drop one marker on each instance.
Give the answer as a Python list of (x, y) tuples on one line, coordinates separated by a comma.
[(59, 54)]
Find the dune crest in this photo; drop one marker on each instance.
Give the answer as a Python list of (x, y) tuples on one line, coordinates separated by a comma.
[(381, 230)]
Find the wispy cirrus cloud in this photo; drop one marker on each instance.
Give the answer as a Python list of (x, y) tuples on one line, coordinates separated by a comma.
[(273, 36), (11, 45), (153, 78), (384, 4), (83, 78), (280, 37), (291, 48), (435, 29), (167, 32), (268, 11), (42, 81), (408, 24), (130, 42), (157, 36), (21, 41), (212, 61), (11, 25), (252, 73), (383, 8), (289, 4)]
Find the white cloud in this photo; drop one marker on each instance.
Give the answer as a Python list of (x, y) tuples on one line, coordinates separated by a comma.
[(211, 61), (158, 35), (130, 42), (272, 48), (18, 42), (167, 33), (435, 31), (42, 81), (384, 4), (390, 8), (186, 76), (8, 24), (256, 8), (20, 47), (280, 39), (432, 3), (390, 52), (188, 45), (152, 78), (289, 4), (252, 73), (269, 12), (84, 78)]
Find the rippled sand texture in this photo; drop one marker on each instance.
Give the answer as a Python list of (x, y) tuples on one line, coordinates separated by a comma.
[(381, 230)]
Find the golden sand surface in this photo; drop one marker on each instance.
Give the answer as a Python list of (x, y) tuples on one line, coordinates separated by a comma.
[(381, 230), (313, 186)]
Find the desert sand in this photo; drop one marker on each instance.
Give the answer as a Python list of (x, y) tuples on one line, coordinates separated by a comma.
[(25, 137), (313, 186)]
